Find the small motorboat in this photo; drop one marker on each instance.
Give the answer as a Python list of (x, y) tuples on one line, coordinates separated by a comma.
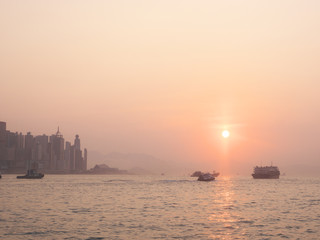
[(206, 177), (199, 173)]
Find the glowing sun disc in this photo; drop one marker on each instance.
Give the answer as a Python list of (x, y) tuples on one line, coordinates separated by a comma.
[(225, 134)]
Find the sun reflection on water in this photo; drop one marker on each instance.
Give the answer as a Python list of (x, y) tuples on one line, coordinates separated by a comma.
[(223, 214)]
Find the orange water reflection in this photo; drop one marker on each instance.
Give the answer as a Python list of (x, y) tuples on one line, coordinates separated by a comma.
[(224, 215)]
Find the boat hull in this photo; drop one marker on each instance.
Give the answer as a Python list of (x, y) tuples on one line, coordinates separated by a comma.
[(265, 176), (30, 177), (206, 180)]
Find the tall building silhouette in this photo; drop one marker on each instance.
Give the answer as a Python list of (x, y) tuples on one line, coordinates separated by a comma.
[(77, 142), (67, 155), (20, 162), (28, 149), (85, 157), (42, 156), (78, 154), (20, 141), (57, 161), (72, 158), (3, 141)]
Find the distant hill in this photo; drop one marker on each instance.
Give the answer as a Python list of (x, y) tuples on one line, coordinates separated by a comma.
[(136, 163), (105, 169)]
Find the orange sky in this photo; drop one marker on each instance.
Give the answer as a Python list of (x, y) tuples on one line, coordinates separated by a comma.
[(165, 77)]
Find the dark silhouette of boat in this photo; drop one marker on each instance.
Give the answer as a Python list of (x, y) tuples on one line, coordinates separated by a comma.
[(206, 177), (199, 173), (32, 174), (266, 172)]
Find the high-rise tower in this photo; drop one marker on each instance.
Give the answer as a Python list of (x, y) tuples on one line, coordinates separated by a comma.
[(78, 154), (3, 141), (85, 160), (77, 142), (57, 161)]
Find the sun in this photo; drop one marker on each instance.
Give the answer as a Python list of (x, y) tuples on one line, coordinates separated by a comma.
[(225, 133)]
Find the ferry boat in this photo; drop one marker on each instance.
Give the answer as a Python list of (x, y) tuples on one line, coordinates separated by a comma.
[(266, 172), (31, 174)]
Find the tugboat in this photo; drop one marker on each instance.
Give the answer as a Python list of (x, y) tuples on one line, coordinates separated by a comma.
[(31, 174), (206, 177), (266, 172)]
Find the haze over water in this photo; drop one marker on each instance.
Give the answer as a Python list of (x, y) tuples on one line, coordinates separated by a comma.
[(158, 207)]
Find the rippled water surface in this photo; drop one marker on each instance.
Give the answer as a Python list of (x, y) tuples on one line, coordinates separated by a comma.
[(158, 207)]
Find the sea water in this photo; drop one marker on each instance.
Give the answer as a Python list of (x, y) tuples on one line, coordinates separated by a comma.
[(158, 207)]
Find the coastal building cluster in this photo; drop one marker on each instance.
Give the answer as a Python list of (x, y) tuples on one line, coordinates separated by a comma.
[(49, 154)]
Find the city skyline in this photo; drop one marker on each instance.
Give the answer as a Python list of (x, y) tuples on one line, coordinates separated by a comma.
[(51, 154)]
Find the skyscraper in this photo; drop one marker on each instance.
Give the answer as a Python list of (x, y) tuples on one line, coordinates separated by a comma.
[(57, 141), (28, 148), (67, 155), (77, 142), (85, 157), (20, 162), (42, 151), (3, 131), (78, 160), (12, 142), (20, 141), (78, 154), (72, 158), (3, 137)]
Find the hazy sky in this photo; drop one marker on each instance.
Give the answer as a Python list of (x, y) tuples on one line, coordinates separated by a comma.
[(166, 77)]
